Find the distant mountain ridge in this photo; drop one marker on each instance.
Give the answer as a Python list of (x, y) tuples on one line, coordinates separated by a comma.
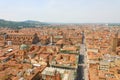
[(15, 24), (31, 21)]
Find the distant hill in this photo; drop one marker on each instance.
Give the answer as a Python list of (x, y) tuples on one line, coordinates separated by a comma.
[(31, 21), (27, 23)]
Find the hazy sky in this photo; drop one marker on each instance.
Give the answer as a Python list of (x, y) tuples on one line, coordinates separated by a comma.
[(72, 11)]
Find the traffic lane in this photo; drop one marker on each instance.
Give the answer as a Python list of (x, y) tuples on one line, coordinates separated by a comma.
[(80, 75), (81, 59)]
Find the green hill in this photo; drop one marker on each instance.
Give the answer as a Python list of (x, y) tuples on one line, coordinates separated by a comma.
[(14, 24)]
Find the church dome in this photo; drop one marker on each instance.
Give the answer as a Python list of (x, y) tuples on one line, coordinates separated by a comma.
[(23, 47)]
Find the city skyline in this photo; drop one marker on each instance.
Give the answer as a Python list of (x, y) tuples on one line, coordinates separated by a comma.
[(67, 11)]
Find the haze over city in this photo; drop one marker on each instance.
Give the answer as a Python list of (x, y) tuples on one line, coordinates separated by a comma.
[(62, 11)]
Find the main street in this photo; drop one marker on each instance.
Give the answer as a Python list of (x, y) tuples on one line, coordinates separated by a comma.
[(82, 64), (83, 55)]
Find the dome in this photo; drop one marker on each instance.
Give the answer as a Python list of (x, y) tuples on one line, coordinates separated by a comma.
[(23, 47)]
